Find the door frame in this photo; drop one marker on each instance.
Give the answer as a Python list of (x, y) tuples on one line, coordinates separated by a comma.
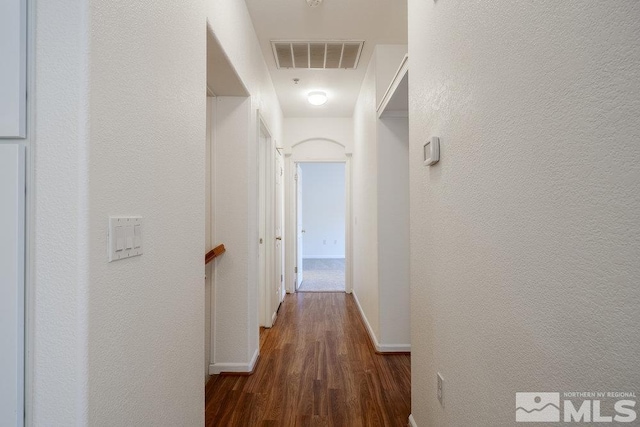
[(279, 222), (291, 225), (266, 221), (299, 255), (210, 189), (25, 314), (12, 249)]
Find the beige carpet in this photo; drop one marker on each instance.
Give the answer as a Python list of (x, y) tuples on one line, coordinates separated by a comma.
[(322, 275)]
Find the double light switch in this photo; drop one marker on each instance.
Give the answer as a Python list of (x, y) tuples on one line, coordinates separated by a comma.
[(125, 237)]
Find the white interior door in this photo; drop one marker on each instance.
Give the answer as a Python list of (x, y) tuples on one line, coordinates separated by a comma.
[(269, 300), (262, 214), (12, 256), (299, 229), (13, 68), (279, 227)]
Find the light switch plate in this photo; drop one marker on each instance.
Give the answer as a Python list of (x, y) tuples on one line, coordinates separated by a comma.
[(125, 237)]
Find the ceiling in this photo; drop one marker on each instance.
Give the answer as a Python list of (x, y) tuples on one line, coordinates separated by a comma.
[(374, 21)]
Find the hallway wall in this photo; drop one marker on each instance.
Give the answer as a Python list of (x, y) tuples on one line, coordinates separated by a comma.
[(234, 293), (235, 338), (380, 208), (119, 130), (525, 237), (297, 129), (393, 229), (209, 283), (365, 202)]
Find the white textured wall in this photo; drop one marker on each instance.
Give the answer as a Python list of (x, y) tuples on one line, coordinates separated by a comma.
[(209, 241), (236, 288), (525, 238), (12, 282), (120, 115), (232, 323), (389, 59), (298, 129), (365, 200), (393, 230), (323, 210), (231, 23), (146, 156), (57, 313), (381, 207)]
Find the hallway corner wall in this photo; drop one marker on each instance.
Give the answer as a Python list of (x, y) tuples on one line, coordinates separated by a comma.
[(209, 234), (118, 130), (525, 236), (365, 203), (393, 232), (236, 335), (232, 290), (381, 208)]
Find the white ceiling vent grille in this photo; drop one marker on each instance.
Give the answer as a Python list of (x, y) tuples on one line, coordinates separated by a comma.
[(317, 55)]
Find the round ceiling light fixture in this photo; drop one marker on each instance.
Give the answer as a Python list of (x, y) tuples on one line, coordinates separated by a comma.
[(317, 98), (314, 3)]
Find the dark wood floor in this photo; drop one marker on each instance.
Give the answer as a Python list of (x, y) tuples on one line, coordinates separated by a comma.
[(317, 368)]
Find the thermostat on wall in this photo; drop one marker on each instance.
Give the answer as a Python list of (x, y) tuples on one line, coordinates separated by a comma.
[(432, 151)]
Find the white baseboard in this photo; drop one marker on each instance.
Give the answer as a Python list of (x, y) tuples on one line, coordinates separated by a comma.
[(412, 422), (381, 348), (394, 348), (217, 368), (374, 340)]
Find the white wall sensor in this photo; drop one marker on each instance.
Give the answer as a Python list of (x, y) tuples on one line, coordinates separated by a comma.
[(432, 151)]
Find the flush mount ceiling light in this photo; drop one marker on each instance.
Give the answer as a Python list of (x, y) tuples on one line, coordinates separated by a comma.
[(314, 3), (317, 98)]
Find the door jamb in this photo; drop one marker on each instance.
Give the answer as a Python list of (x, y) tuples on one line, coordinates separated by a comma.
[(269, 237)]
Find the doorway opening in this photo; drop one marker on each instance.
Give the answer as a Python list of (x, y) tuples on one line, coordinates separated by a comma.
[(321, 224), (270, 226)]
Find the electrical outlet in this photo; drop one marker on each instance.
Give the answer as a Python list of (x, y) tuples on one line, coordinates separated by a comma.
[(440, 389)]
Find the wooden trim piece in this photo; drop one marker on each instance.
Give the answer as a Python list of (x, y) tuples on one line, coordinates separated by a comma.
[(214, 253)]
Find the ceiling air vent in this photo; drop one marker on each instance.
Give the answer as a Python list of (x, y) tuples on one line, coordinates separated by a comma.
[(317, 55)]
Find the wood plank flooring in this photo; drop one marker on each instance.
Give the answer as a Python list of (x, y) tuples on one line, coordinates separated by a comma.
[(317, 368)]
